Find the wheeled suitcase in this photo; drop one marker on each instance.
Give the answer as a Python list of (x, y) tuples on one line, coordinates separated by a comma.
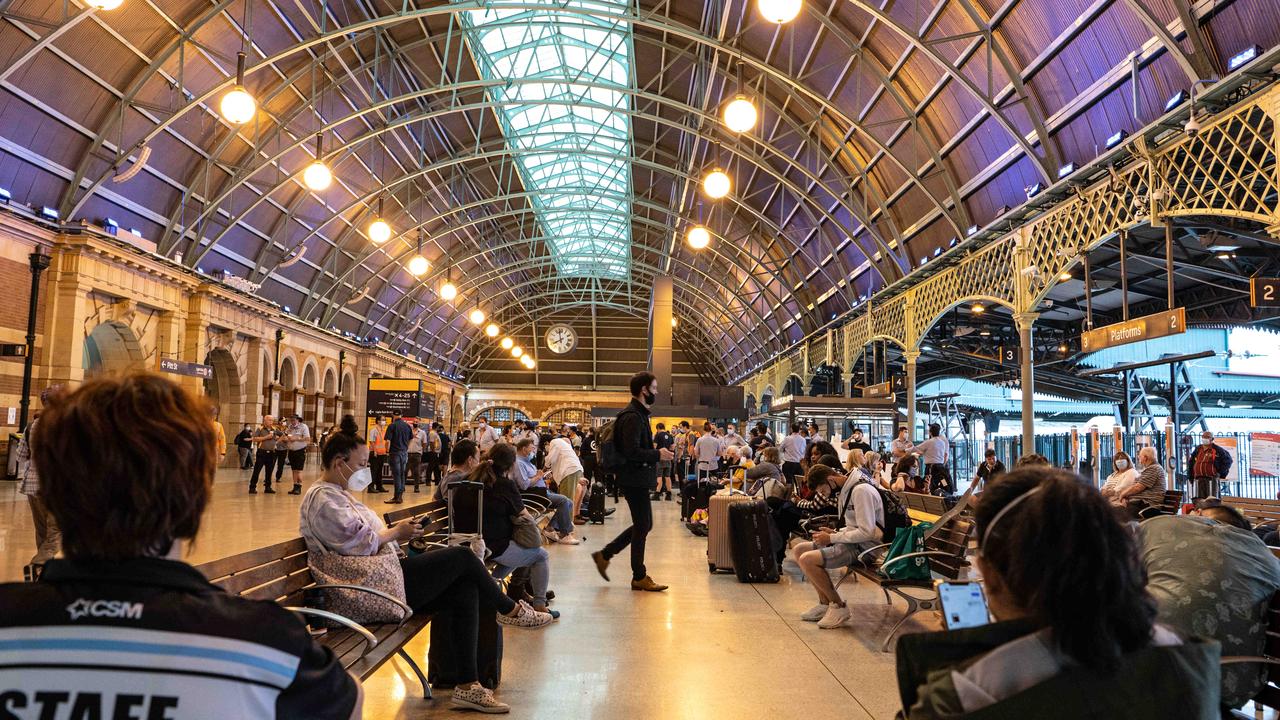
[(719, 554), (595, 504), (694, 495), (442, 656), (751, 542)]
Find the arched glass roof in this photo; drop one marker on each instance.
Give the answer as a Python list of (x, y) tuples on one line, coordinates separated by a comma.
[(569, 132)]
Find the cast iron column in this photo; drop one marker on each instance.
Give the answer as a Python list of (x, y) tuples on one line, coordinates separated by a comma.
[(39, 261)]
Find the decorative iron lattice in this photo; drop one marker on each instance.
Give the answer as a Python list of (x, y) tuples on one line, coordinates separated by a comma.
[(1228, 170)]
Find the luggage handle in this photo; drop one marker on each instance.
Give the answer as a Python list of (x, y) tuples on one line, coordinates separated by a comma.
[(453, 487)]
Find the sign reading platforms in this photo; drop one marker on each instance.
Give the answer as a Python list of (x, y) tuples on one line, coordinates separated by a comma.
[(883, 390), (178, 367), (1161, 324)]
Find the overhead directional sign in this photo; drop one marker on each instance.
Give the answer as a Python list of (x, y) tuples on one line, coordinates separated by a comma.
[(1161, 324), (1264, 292), (882, 390), (179, 367)]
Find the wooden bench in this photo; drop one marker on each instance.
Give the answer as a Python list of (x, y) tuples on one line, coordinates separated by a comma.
[(280, 573), (1258, 512), (923, 508), (945, 547)]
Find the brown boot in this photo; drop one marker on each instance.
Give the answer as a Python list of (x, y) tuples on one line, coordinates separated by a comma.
[(647, 585), (602, 564)]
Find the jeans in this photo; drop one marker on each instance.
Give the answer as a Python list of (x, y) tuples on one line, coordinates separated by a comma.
[(399, 463), (246, 458), (641, 523), (415, 468), (562, 520), (454, 584), (266, 459), (533, 558)]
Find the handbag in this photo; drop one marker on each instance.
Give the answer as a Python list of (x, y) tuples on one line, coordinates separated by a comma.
[(907, 540), (525, 532), (377, 572)]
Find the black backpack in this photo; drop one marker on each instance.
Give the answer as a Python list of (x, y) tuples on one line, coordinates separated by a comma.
[(611, 459), (444, 445)]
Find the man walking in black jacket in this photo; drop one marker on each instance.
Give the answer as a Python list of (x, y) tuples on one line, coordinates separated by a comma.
[(633, 439)]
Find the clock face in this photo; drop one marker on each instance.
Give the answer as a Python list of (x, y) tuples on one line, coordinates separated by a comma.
[(561, 339)]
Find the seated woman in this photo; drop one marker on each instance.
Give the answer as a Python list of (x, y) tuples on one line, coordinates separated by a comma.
[(766, 476), (873, 470), (905, 477), (502, 503), (1076, 635), (854, 460), (129, 505), (1120, 479), (450, 582), (463, 459)]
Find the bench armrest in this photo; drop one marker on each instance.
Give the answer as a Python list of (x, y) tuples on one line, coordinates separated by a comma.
[(369, 640), (408, 611), (1238, 659), (535, 502), (926, 553), (870, 550)]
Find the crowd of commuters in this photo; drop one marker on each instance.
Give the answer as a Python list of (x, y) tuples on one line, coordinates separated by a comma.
[(1094, 608)]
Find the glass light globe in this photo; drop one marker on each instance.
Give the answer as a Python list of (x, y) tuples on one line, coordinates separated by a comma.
[(418, 266), (105, 4), (237, 106), (317, 176), (507, 343), (476, 316), (448, 291), (517, 351), (716, 184), (740, 114), (527, 361), (492, 330), (779, 11), (699, 237), (673, 322), (379, 231)]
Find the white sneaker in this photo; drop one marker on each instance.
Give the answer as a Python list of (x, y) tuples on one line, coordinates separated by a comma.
[(526, 617), (551, 536), (478, 698), (815, 613), (569, 540), (835, 617)]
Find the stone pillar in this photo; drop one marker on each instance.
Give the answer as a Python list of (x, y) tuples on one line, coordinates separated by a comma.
[(254, 382), (62, 352), (195, 338), (912, 356), (1025, 322), (660, 314)]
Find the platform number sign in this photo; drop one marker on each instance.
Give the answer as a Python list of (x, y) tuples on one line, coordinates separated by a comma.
[(1010, 355), (1264, 292)]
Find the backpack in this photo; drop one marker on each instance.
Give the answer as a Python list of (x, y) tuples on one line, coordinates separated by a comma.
[(444, 445), (611, 460), (895, 513)]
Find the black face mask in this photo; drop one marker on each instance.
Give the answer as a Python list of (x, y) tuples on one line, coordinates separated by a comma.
[(648, 398)]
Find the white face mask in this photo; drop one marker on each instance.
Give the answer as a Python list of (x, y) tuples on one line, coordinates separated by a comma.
[(1206, 441), (1122, 464), (359, 480)]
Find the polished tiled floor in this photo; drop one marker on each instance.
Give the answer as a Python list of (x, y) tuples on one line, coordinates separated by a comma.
[(709, 646)]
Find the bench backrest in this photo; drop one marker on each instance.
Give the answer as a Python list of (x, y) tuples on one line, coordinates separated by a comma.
[(1258, 512), (1172, 502), (277, 572), (951, 537), (931, 504), (433, 516)]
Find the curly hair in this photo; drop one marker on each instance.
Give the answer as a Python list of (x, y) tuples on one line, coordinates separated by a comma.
[(1067, 561)]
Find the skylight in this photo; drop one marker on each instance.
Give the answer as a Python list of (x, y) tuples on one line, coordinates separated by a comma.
[(569, 131)]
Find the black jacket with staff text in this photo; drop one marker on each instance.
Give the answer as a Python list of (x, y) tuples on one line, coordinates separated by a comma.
[(633, 439)]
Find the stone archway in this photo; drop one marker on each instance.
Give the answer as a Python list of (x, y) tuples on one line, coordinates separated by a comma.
[(224, 389), (112, 347)]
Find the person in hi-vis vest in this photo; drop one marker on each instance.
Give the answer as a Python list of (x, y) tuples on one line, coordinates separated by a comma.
[(378, 453)]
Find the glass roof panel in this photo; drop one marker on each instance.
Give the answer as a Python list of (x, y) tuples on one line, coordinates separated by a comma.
[(570, 130)]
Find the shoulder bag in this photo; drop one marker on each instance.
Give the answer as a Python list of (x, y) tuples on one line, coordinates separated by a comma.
[(377, 572)]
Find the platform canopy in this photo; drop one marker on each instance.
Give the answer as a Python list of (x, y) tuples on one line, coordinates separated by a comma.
[(547, 157)]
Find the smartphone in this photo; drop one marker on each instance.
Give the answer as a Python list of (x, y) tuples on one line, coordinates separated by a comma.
[(963, 604)]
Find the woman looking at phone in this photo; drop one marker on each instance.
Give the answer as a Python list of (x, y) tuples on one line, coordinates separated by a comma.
[(1075, 636), (451, 582)]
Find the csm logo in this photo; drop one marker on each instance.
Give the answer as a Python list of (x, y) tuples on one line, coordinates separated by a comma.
[(104, 608)]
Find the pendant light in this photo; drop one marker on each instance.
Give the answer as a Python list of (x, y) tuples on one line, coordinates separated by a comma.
[(238, 106), (517, 351), (492, 330), (317, 176), (419, 265), (699, 237), (105, 4), (507, 343), (716, 184), (779, 11), (379, 229), (476, 316), (740, 115)]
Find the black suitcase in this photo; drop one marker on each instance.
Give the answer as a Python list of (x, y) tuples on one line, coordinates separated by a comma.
[(441, 663), (751, 542), (695, 495), (595, 504)]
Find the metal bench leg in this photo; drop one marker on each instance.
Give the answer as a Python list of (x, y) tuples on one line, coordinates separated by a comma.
[(913, 606), (426, 687)]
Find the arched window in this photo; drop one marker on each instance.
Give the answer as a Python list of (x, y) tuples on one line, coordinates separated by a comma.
[(570, 416), (501, 415)]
